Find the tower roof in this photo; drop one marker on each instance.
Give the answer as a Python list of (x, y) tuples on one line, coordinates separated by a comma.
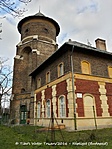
[(39, 15)]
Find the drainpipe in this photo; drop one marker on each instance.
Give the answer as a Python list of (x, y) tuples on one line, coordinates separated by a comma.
[(73, 89)]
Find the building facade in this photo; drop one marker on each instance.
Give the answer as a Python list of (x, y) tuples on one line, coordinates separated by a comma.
[(71, 84), (75, 80), (38, 42)]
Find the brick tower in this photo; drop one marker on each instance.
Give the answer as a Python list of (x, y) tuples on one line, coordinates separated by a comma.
[(38, 42)]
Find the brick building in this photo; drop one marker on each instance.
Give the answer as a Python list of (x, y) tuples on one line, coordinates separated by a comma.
[(74, 82), (38, 42), (76, 78)]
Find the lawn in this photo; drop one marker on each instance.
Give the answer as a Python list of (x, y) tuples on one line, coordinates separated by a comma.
[(32, 137)]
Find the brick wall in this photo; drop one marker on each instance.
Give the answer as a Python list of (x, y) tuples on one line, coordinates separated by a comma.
[(38, 27), (38, 96), (88, 87), (109, 96), (99, 64), (48, 93), (53, 68), (61, 89)]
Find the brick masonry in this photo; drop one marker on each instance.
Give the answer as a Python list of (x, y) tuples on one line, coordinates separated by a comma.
[(109, 95), (82, 86), (38, 27), (46, 33), (99, 88), (61, 89), (90, 87)]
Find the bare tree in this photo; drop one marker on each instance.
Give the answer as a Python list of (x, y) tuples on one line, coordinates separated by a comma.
[(5, 83), (11, 7)]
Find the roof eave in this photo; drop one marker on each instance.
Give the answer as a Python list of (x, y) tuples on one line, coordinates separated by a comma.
[(38, 17), (75, 44)]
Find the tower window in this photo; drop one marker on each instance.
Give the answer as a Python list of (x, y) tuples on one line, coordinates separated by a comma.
[(22, 90), (26, 30), (45, 30)]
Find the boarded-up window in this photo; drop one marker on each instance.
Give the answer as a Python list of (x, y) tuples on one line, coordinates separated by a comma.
[(110, 71), (89, 106), (85, 67)]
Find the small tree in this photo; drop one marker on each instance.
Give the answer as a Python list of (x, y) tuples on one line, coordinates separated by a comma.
[(11, 7), (5, 83)]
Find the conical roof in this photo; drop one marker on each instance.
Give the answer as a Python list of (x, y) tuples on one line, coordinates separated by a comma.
[(38, 16)]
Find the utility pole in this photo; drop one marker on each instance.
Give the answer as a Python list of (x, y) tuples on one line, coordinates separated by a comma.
[(73, 90), (52, 124)]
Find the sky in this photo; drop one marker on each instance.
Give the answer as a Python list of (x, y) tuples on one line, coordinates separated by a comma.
[(79, 20)]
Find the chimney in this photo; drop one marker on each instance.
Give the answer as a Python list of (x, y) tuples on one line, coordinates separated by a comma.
[(100, 44)]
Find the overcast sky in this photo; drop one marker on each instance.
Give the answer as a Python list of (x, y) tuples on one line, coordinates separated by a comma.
[(79, 20)]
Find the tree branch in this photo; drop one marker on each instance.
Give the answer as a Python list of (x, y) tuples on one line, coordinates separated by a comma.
[(11, 8)]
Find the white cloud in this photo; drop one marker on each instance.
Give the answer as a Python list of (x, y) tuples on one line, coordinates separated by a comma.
[(9, 40), (79, 20)]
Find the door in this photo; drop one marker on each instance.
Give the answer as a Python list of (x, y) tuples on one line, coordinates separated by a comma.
[(23, 114)]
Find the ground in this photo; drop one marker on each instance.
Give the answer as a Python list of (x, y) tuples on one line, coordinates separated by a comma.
[(32, 137)]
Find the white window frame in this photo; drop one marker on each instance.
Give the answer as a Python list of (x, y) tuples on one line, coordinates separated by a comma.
[(38, 109), (48, 109), (62, 106)]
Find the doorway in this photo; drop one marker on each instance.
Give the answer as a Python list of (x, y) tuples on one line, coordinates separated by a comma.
[(23, 114)]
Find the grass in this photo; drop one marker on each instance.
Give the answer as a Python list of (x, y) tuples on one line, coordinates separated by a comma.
[(29, 137)]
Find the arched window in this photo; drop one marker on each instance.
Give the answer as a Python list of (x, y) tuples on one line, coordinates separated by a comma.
[(22, 90), (110, 71), (85, 66), (38, 110), (38, 82), (27, 64), (48, 109), (62, 106), (60, 69), (48, 77)]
